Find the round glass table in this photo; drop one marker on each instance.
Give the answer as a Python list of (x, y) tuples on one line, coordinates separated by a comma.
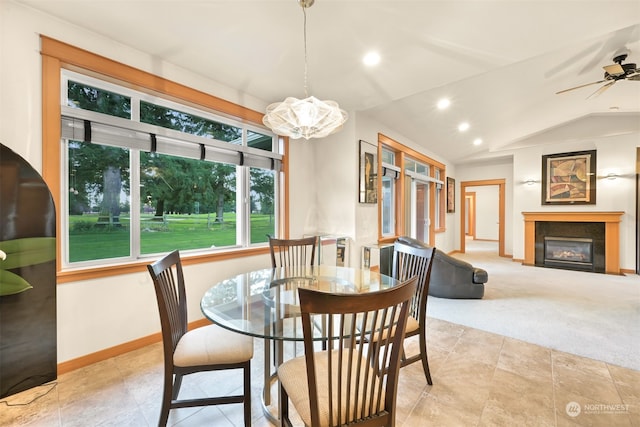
[(264, 304)]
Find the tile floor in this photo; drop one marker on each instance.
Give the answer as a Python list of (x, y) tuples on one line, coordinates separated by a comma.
[(480, 379)]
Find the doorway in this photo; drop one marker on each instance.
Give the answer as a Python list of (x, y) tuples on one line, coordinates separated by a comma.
[(464, 217), (470, 212), (417, 218), (422, 211)]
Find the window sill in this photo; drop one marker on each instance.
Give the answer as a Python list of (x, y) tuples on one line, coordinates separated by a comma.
[(69, 276)]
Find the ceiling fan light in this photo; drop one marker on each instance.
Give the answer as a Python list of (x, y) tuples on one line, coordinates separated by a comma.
[(612, 73), (614, 69), (305, 118)]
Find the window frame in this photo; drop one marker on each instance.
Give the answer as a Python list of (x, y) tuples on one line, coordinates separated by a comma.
[(403, 156), (389, 173), (57, 56)]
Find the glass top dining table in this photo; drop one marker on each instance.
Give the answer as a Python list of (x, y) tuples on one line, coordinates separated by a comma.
[(263, 303)]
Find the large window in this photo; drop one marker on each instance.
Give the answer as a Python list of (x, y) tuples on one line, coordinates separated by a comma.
[(390, 174), (145, 175), (412, 201)]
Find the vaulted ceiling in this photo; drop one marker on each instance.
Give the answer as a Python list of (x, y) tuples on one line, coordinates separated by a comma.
[(500, 62)]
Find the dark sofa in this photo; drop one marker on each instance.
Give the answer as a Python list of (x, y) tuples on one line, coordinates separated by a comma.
[(452, 277)]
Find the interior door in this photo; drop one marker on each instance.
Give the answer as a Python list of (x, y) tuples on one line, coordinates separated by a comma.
[(464, 185), (470, 214), (417, 202), (422, 211)]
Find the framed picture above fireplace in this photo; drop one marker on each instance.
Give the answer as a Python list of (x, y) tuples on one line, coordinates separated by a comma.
[(569, 178)]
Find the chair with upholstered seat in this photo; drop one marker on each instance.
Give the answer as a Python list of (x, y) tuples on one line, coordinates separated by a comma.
[(209, 348), (293, 252), (409, 261), (352, 381), (295, 255)]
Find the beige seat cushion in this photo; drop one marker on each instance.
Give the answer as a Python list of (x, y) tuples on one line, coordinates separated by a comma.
[(212, 344), (412, 326), (293, 376)]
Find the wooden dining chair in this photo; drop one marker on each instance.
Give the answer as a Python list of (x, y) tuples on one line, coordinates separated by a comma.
[(293, 252), (209, 348), (296, 255), (352, 381), (410, 261)]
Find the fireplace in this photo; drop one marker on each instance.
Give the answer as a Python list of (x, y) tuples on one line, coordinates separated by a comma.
[(575, 253), (606, 235), (570, 245)]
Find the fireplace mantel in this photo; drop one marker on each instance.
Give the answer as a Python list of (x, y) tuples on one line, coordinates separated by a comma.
[(612, 233)]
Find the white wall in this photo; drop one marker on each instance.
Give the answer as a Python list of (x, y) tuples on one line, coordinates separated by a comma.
[(614, 154), (495, 169), (302, 186), (487, 211), (336, 181)]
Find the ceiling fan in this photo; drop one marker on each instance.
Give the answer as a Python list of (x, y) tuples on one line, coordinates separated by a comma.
[(612, 73)]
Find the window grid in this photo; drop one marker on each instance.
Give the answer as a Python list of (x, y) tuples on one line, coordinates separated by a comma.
[(243, 203), (394, 214)]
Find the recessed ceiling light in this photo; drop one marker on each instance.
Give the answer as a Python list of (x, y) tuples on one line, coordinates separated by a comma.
[(444, 104), (463, 127), (371, 59), (477, 141)]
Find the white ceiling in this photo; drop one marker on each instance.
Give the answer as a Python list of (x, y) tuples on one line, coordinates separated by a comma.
[(500, 62)]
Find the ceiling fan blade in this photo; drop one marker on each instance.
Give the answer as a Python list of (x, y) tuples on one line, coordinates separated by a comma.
[(601, 89), (581, 86), (614, 69)]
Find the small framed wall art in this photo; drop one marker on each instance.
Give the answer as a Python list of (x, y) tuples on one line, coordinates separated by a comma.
[(569, 178), (368, 191), (451, 195)]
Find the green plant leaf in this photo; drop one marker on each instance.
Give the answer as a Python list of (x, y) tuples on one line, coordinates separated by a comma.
[(11, 283), (27, 251)]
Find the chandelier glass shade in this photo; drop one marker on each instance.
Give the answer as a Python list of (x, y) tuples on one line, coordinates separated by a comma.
[(304, 118)]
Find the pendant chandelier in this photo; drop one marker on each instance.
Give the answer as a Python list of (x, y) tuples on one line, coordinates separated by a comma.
[(304, 118)]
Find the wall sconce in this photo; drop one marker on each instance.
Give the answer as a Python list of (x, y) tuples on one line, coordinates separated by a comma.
[(610, 176)]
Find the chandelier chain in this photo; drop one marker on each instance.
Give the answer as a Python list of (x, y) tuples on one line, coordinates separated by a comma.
[(304, 12), (309, 117)]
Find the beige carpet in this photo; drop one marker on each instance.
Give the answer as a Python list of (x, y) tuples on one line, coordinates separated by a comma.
[(587, 314)]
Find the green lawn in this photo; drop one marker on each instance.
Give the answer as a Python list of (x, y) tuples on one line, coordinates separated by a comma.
[(90, 242)]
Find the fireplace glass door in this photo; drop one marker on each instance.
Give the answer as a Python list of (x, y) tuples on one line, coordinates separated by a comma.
[(568, 251)]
